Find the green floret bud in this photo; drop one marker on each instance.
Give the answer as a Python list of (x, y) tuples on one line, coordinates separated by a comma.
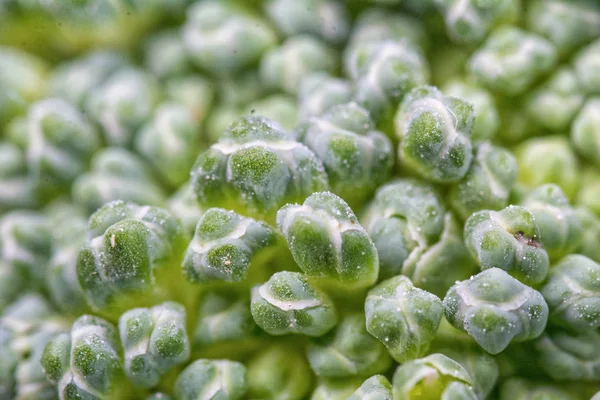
[(521, 389), (60, 141), (573, 293), (357, 157), (18, 189), (326, 19), (328, 243), (85, 363), (471, 21), (25, 245), (116, 174), (75, 80), (154, 342), (307, 55), (430, 378), (589, 189), (224, 245), (223, 318), (255, 168), (569, 356), (170, 142), (212, 380), (131, 251), (224, 38), (488, 182), (587, 65), (508, 239), (279, 372), (376, 387), (349, 350), (192, 91), (123, 103), (22, 79), (288, 303), (555, 103), (567, 24), (26, 326), (376, 24), (278, 107), (495, 309), (319, 92), (335, 389), (404, 318), (560, 228), (585, 131), (434, 133), (165, 55), (511, 60), (384, 73), (487, 120), (590, 240), (548, 159), (159, 396), (183, 205)]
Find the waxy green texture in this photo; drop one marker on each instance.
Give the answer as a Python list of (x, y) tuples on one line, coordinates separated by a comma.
[(212, 379)]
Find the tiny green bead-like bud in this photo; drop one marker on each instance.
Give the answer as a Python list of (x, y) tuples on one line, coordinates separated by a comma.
[(223, 318), (357, 157), (590, 241), (224, 245), (488, 182), (326, 19), (588, 190), (508, 239), (278, 107), (383, 73), (289, 303), (573, 293), (434, 132), (154, 342), (23, 80), (224, 38), (319, 92), (404, 318), (123, 103), (85, 363), (212, 380), (587, 63), (347, 351), (192, 91), (404, 216), (560, 228), (567, 24), (131, 251), (170, 142), (255, 168), (511, 60), (548, 159), (328, 243), (495, 309), (116, 174), (567, 356), (12, 283), (521, 389), (279, 372), (487, 120), (376, 387), (75, 80), (60, 141), (556, 102), (335, 389), (585, 131), (430, 378), (159, 396), (306, 53), (240, 90), (471, 21), (183, 205), (18, 189), (25, 244), (375, 24), (165, 55)]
